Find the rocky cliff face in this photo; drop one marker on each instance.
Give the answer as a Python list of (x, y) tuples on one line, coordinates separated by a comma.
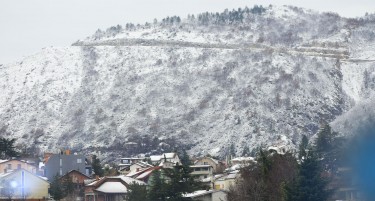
[(250, 77)]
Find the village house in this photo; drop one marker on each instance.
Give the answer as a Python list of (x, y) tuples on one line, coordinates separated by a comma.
[(138, 166), (109, 188), (209, 181), (77, 178), (218, 166), (201, 171), (144, 174), (170, 157), (61, 164), (167, 164), (23, 185), (13, 164), (226, 181), (125, 163), (243, 161)]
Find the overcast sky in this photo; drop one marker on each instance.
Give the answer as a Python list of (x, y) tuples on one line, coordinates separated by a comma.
[(26, 26)]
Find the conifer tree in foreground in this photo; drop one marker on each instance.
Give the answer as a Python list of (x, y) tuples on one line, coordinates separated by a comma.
[(310, 185), (96, 166), (157, 187), (56, 188), (137, 192)]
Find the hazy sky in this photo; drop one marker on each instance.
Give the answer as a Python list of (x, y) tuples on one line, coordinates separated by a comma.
[(26, 26)]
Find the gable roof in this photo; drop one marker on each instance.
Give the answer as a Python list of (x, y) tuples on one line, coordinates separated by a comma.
[(112, 187), (4, 176), (22, 161), (160, 157), (209, 158), (3, 161), (124, 179), (140, 172), (143, 164), (75, 171)]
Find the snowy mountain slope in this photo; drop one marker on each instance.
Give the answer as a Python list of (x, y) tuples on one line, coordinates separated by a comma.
[(247, 77)]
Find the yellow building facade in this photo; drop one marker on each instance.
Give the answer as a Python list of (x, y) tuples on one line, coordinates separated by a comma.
[(23, 184)]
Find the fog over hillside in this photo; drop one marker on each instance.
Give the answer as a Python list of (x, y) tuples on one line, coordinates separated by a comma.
[(249, 77)]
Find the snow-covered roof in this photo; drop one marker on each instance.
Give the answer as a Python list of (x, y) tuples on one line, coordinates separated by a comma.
[(112, 187), (197, 166), (229, 176), (243, 159), (132, 174), (164, 162), (197, 193), (201, 193), (214, 160), (156, 158), (89, 182), (132, 158), (129, 180), (215, 177), (144, 164), (145, 174), (160, 157), (234, 167), (169, 155), (3, 161)]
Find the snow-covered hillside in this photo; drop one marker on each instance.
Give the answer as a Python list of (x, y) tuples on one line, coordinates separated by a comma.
[(250, 77)]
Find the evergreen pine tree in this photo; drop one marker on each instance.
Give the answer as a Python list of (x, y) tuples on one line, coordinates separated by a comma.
[(180, 182), (96, 166), (324, 142), (136, 192), (68, 187), (56, 189), (185, 159), (309, 185), (156, 191), (326, 148), (7, 149), (232, 150), (264, 161), (246, 151)]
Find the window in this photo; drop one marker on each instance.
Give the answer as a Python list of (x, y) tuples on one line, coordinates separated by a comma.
[(18, 166), (205, 163), (79, 160), (60, 162), (9, 166)]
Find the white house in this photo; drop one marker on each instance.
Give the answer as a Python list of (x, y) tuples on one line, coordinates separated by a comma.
[(170, 157)]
